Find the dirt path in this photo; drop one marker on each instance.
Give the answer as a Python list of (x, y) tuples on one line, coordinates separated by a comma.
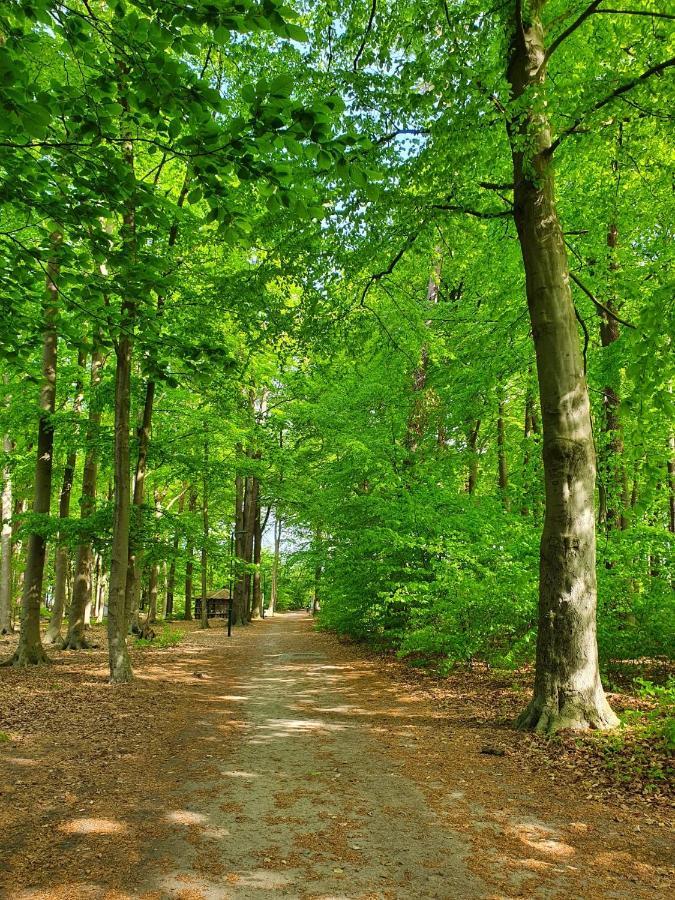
[(281, 764)]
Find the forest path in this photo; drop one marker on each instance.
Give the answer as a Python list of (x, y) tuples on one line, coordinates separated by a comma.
[(282, 763)]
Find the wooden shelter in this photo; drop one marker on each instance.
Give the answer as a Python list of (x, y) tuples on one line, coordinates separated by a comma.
[(217, 604)]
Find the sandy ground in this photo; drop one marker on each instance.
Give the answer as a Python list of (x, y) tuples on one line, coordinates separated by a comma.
[(281, 763)]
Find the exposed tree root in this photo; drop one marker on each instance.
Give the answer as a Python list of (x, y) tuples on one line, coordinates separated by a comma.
[(145, 632), (53, 639), (75, 642), (574, 713), (24, 657)]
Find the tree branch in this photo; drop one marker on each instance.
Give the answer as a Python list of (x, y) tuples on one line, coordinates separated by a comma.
[(365, 36), (622, 89), (586, 336), (568, 31), (634, 12), (601, 306), (476, 213)]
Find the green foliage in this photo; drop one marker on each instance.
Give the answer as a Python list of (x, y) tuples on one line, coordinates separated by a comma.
[(167, 638)]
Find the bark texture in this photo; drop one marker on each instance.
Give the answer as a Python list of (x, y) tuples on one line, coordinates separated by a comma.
[(256, 606), (62, 564), (6, 542), (502, 463), (472, 478), (82, 582), (30, 650), (118, 612), (567, 692), (171, 576), (205, 538), (189, 564)]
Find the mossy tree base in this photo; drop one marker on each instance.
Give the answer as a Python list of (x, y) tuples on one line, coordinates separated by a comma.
[(575, 713)]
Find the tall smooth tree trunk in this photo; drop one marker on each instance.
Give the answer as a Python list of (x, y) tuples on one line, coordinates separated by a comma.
[(472, 443), (205, 536), (82, 580), (613, 486), (276, 562), (144, 434), (318, 569), (62, 564), (671, 485), (6, 541), (189, 563), (567, 690), (528, 434), (502, 463), (417, 420), (118, 612), (135, 562), (256, 608), (239, 606), (251, 495), (171, 577), (30, 650)]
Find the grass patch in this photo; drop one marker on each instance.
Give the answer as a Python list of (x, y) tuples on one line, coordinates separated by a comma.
[(168, 637)]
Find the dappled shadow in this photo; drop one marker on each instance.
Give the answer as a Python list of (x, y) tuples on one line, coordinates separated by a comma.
[(269, 764)]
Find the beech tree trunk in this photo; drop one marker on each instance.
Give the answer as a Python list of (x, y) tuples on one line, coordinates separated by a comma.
[(529, 431), (251, 495), (171, 577), (274, 591), (62, 564), (316, 597), (190, 562), (82, 581), (567, 690), (135, 562), (118, 611), (614, 483), (473, 458), (671, 486), (417, 420), (502, 464), (6, 542), (256, 607), (30, 650), (240, 581), (205, 537)]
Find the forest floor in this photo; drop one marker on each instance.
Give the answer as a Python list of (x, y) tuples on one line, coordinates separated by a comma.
[(284, 763)]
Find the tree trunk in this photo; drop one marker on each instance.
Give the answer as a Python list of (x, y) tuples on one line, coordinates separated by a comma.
[(30, 650), (316, 597), (239, 606), (135, 562), (256, 609), (502, 465), (473, 458), (205, 536), (144, 434), (274, 593), (118, 612), (613, 486), (153, 583), (530, 430), (567, 690), (189, 564), (171, 577), (671, 485), (251, 501), (82, 582), (62, 564), (6, 542)]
